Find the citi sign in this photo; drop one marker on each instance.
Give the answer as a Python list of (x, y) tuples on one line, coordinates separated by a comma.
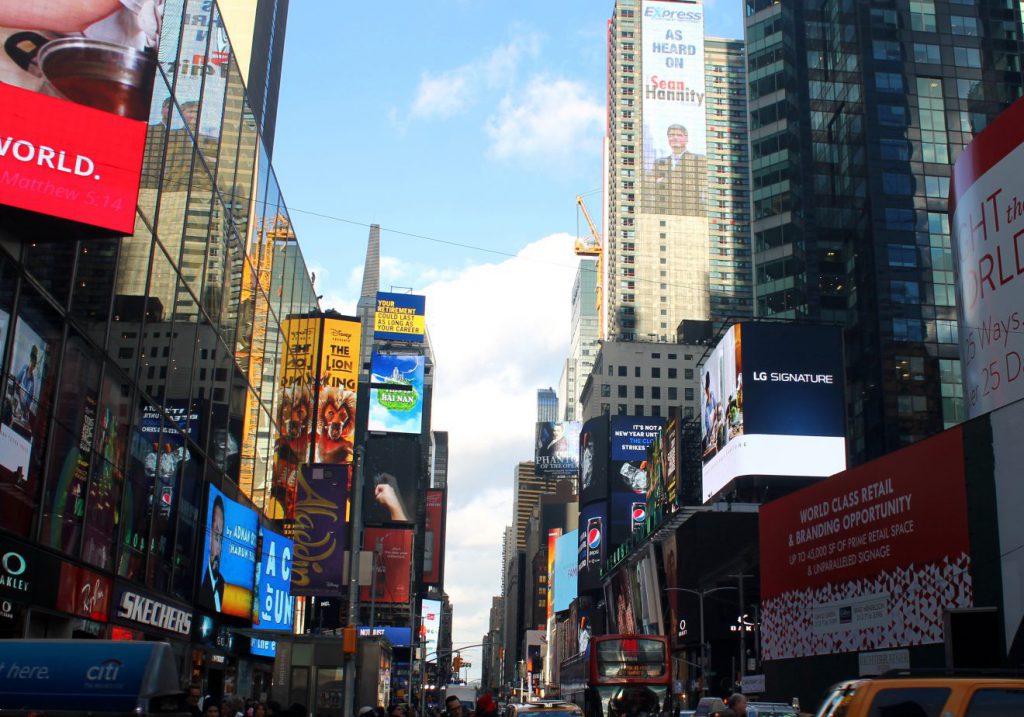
[(106, 671)]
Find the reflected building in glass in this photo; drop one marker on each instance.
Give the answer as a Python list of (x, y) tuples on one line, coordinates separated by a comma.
[(152, 361)]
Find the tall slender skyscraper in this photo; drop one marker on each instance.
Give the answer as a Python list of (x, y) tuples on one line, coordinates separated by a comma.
[(547, 404), (857, 111)]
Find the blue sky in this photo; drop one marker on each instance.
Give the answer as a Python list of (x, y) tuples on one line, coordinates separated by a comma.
[(472, 122)]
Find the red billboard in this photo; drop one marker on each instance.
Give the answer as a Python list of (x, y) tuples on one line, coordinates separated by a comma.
[(75, 90), (392, 561), (869, 558), (433, 549)]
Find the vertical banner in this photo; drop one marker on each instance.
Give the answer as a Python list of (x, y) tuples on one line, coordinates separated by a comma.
[(553, 535), (431, 612), (274, 607), (229, 556), (392, 549), (393, 476), (987, 220), (339, 379), (566, 570), (294, 412), (433, 549), (674, 123), (557, 448), (320, 528)]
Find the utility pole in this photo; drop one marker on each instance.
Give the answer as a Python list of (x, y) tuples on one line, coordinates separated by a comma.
[(743, 626), (353, 575)]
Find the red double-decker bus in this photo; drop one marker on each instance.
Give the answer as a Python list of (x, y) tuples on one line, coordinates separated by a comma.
[(619, 676)]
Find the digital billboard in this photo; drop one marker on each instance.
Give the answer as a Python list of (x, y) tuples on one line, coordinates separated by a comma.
[(870, 558), (339, 380), (593, 468), (393, 472), (21, 425), (274, 607), (400, 317), (396, 393), (392, 549), (557, 448), (674, 125), (629, 473), (566, 569), (229, 556), (294, 411), (433, 547), (167, 447), (553, 535), (591, 549), (320, 529), (430, 616), (985, 221), (772, 403), (632, 434)]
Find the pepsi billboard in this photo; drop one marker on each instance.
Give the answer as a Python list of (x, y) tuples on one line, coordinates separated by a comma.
[(629, 473), (591, 545), (772, 403)]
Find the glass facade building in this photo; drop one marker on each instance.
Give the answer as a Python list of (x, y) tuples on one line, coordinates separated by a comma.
[(857, 111), (153, 361)]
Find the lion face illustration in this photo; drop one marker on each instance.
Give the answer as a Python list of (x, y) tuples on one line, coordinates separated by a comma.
[(337, 412)]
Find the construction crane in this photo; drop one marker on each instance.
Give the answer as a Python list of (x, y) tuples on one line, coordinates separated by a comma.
[(592, 246)]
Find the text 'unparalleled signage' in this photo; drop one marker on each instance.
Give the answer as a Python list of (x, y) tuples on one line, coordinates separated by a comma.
[(987, 224), (68, 160)]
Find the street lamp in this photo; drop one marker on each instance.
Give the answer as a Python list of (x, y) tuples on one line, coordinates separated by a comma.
[(703, 645)]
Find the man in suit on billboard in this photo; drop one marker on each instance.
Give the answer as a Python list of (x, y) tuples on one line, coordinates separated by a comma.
[(211, 592)]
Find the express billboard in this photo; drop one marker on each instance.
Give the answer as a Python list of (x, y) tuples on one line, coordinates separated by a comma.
[(392, 549), (870, 558), (274, 607), (400, 317), (566, 570), (985, 223), (433, 536), (73, 107), (430, 614), (773, 403), (557, 448), (394, 471), (396, 393), (229, 556), (674, 124)]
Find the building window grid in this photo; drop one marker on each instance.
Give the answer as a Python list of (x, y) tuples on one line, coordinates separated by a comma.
[(932, 118)]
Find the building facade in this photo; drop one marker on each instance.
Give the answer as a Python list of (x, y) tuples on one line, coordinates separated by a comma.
[(547, 404), (857, 112), (583, 344)]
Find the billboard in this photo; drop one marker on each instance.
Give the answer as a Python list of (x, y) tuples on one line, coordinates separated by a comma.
[(396, 393), (557, 448), (628, 473), (320, 529), (294, 411), (674, 126), (392, 548), (274, 607), (869, 558), (985, 219), (229, 556), (73, 107), (772, 403), (430, 614), (400, 317), (553, 535), (339, 380), (433, 547), (167, 448), (590, 546), (21, 424), (632, 434), (566, 569), (393, 470), (593, 468)]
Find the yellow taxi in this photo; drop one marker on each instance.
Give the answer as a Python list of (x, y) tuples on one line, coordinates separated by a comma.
[(913, 695), (544, 708)]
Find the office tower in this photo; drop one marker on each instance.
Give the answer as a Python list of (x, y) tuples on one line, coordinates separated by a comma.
[(675, 182), (856, 114), (583, 344), (528, 488), (547, 404), (439, 459)]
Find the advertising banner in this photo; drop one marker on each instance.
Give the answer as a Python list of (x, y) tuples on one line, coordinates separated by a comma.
[(262, 647), (591, 550), (84, 593), (674, 124), (320, 529), (632, 434), (553, 535), (167, 446), (339, 380), (274, 608), (430, 610), (73, 108), (566, 569), (773, 403), (400, 317), (986, 219), (294, 411), (557, 448), (229, 556), (593, 469), (27, 574), (392, 548), (397, 636), (20, 422), (393, 474), (433, 548), (396, 393), (870, 558)]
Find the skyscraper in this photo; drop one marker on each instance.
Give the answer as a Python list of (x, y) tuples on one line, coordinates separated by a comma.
[(547, 404), (583, 346), (856, 113), (676, 181)]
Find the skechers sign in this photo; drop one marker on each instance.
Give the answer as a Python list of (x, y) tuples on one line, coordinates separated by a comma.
[(135, 608)]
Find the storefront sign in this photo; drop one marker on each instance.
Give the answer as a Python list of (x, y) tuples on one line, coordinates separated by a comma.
[(28, 574), (84, 592), (141, 608)]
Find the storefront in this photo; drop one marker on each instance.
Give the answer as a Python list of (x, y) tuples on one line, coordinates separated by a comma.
[(138, 614)]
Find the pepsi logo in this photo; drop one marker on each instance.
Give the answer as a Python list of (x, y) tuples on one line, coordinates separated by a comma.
[(594, 538), (639, 514)]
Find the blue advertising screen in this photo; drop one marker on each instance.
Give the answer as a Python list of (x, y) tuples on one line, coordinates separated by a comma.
[(632, 434), (397, 636), (566, 570), (263, 648), (396, 393), (229, 556), (399, 317), (275, 606)]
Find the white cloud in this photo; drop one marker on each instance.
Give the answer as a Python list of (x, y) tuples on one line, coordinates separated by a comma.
[(552, 119), (446, 94)]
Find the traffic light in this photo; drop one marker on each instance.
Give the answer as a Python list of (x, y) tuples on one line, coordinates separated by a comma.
[(457, 663)]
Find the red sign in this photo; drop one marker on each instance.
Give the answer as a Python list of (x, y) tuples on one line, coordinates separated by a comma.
[(68, 160), (906, 508), (391, 564), (434, 548), (83, 592)]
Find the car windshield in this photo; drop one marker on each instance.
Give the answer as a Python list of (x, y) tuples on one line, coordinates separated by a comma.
[(834, 704)]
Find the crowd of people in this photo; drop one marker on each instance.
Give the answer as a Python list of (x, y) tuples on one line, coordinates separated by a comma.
[(235, 706), (453, 707)]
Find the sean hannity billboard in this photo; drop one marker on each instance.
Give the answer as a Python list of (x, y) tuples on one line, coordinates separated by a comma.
[(773, 404)]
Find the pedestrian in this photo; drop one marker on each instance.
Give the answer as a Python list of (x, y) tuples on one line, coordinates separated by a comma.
[(486, 706), (195, 693), (211, 708), (453, 707), (737, 706)]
